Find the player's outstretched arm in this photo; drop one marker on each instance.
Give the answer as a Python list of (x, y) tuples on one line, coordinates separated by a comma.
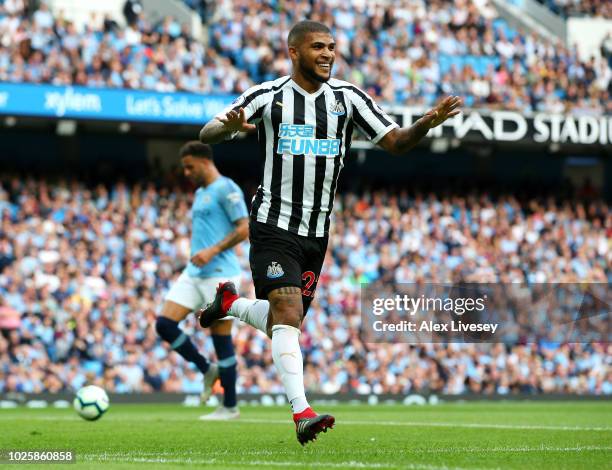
[(220, 128), (399, 141)]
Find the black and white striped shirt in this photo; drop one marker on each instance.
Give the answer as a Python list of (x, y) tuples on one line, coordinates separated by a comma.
[(303, 139)]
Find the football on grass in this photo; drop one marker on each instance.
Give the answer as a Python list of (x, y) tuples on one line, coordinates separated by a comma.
[(91, 402)]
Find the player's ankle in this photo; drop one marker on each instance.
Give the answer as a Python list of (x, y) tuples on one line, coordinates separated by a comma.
[(307, 413)]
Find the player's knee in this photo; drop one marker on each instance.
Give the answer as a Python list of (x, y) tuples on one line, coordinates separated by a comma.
[(286, 306), (174, 311), (284, 317)]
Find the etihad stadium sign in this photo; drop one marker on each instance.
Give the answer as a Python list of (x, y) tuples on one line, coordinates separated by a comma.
[(512, 126)]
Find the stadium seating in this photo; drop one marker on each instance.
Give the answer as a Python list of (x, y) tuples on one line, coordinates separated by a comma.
[(83, 272), (591, 8), (407, 55)]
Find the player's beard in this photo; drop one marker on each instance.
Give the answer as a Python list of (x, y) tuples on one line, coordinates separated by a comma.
[(310, 72), (198, 180)]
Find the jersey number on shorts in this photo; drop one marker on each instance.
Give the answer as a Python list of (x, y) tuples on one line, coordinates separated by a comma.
[(308, 279)]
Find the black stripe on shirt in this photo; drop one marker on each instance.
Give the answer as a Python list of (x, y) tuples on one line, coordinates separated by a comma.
[(346, 143), (297, 189), (276, 115), (367, 99), (363, 124), (257, 114), (320, 164), (261, 137), (248, 99)]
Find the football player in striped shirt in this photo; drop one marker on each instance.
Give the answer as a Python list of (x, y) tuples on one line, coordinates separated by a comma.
[(304, 124)]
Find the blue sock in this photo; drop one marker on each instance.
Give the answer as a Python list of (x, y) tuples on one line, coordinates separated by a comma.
[(169, 331), (227, 368)]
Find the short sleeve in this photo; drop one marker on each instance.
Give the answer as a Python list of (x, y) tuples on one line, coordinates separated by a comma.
[(367, 115), (253, 104), (231, 199)]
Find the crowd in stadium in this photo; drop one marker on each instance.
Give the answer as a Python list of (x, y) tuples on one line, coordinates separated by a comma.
[(412, 53), (568, 8), (565, 8), (84, 269)]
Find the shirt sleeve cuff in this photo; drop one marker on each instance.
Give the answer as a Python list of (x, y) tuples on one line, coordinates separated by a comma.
[(384, 132)]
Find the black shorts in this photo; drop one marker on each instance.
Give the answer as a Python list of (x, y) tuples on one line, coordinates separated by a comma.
[(280, 258)]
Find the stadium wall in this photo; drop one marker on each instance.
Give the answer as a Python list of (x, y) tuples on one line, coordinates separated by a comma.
[(587, 35), (80, 12), (103, 156), (532, 15), (63, 400)]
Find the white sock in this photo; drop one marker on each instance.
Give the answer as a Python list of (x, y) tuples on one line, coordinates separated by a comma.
[(253, 312), (287, 358)]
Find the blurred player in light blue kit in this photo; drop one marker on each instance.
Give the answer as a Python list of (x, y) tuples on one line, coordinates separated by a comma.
[(219, 222)]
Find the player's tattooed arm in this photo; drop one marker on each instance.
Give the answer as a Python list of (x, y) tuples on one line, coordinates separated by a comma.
[(213, 132), (220, 128), (399, 141)]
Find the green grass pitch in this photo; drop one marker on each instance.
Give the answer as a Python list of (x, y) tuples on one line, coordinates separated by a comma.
[(521, 435)]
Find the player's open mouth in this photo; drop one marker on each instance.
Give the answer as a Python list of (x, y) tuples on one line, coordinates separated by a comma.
[(325, 66)]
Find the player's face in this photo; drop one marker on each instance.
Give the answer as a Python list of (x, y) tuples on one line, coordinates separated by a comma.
[(316, 55), (194, 169)]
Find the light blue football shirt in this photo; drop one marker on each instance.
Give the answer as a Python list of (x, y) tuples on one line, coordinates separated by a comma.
[(215, 209)]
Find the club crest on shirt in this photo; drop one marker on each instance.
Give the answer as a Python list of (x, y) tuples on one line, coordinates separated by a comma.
[(234, 197), (275, 270), (337, 109)]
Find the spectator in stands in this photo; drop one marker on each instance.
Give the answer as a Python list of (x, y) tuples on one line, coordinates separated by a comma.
[(132, 10), (566, 8), (85, 270), (408, 54)]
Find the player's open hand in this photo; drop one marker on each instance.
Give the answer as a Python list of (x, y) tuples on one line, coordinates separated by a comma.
[(203, 257), (236, 121), (447, 108)]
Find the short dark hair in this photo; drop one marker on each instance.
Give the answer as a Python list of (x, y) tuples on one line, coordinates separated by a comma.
[(301, 29), (196, 149)]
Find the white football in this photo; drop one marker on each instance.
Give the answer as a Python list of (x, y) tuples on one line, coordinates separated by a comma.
[(91, 402)]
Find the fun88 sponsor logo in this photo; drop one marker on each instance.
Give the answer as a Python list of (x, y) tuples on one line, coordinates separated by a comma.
[(297, 139)]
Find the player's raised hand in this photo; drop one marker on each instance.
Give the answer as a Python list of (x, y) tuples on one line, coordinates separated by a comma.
[(447, 108), (236, 121)]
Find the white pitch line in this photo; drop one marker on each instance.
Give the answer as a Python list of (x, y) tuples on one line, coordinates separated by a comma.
[(267, 452), (265, 463), (514, 449), (355, 423), (443, 425)]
